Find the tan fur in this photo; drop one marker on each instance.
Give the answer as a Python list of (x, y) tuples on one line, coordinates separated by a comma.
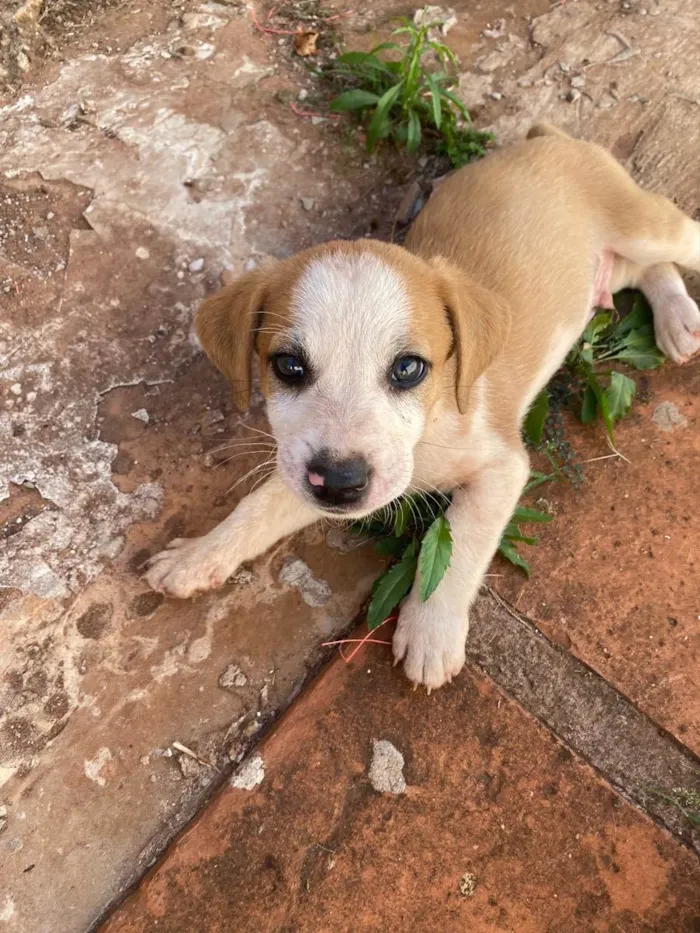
[(497, 280), (227, 325)]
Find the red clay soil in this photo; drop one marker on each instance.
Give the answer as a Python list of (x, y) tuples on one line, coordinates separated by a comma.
[(615, 576), (500, 829)]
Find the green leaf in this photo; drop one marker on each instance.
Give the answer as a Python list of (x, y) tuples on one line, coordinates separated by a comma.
[(414, 131), (641, 358), (596, 326), (620, 395), (513, 533), (640, 318), (380, 124), (508, 550), (401, 516), (390, 589), (386, 46), (435, 555), (589, 406), (463, 112), (603, 403), (524, 514), (536, 417), (537, 479), (444, 53), (389, 547), (436, 102), (586, 354), (355, 99), (359, 61)]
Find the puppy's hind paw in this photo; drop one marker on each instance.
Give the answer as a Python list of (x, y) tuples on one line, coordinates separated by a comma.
[(677, 328)]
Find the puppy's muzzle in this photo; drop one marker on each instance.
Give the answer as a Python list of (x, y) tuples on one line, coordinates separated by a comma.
[(336, 483)]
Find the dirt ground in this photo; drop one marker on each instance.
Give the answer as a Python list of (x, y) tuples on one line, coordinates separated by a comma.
[(143, 150)]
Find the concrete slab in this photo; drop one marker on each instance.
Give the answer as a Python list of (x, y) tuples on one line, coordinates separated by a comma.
[(128, 180)]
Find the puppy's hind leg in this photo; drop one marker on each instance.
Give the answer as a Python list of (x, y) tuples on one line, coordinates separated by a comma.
[(648, 229)]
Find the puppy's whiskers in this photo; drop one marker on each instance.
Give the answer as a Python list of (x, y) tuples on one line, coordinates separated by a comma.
[(261, 466), (246, 453)]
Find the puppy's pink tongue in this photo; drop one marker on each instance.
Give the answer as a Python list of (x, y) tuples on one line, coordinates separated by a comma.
[(315, 479)]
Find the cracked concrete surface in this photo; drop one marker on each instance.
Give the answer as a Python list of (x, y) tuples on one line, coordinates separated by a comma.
[(131, 174), (128, 182)]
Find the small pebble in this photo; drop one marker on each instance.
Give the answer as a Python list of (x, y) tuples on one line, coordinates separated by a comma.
[(307, 203), (467, 885), (250, 774), (141, 415), (196, 265), (232, 677), (386, 768), (142, 252)]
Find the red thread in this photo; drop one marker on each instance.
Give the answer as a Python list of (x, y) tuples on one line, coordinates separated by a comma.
[(366, 640)]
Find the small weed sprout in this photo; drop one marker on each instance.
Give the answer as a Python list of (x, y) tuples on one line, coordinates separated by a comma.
[(396, 92)]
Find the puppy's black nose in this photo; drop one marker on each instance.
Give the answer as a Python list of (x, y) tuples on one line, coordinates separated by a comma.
[(337, 482)]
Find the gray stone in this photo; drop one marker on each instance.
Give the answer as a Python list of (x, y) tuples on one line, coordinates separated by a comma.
[(386, 769)]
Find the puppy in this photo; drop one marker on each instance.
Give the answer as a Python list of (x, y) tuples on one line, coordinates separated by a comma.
[(389, 370)]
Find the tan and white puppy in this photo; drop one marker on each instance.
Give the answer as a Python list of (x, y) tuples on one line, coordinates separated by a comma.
[(389, 370)]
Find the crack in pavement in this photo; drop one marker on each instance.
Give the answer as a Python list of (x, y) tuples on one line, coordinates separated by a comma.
[(598, 724)]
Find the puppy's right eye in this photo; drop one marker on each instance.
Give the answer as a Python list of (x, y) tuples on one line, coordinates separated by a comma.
[(289, 368)]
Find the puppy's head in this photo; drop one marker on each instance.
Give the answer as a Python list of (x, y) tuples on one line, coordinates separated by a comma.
[(357, 342)]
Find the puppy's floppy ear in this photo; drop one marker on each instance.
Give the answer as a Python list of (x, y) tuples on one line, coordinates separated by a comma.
[(480, 321), (227, 324)]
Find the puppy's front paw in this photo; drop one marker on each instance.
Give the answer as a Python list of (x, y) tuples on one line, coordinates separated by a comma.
[(677, 328), (189, 566), (430, 640)]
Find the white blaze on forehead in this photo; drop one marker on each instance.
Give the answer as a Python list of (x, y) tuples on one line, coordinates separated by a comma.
[(350, 302)]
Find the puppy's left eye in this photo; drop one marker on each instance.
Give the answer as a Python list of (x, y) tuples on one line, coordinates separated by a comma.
[(289, 368), (408, 371)]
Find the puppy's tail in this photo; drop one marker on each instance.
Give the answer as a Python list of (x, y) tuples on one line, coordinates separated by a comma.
[(546, 129)]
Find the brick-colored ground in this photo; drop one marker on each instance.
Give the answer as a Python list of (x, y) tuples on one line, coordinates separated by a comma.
[(490, 794)]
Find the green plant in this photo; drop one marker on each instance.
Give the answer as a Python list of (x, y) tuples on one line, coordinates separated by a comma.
[(604, 392), (513, 536), (416, 534), (685, 800), (402, 99)]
